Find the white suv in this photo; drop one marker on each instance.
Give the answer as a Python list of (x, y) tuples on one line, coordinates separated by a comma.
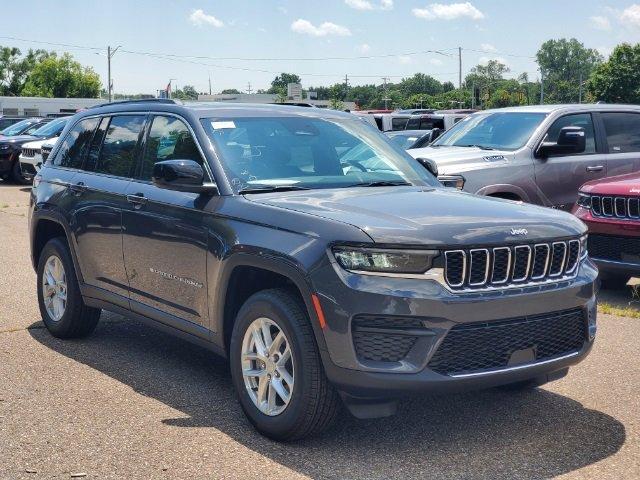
[(31, 157)]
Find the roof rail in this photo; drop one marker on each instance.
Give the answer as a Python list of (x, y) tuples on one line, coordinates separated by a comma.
[(141, 100)]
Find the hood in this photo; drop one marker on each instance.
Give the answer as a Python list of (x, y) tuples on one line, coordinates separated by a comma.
[(429, 216), (628, 184), (460, 159), (19, 139)]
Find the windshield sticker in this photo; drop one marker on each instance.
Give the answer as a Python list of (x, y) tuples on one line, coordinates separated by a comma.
[(221, 125)]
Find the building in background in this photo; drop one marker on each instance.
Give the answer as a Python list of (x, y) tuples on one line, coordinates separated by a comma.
[(266, 98), (44, 107)]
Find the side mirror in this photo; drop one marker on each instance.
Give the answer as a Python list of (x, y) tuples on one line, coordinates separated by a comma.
[(571, 140), (429, 165), (182, 176), (435, 133)]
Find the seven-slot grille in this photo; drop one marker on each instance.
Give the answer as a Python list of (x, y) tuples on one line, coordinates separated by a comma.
[(479, 268), (30, 152), (614, 206), (45, 153)]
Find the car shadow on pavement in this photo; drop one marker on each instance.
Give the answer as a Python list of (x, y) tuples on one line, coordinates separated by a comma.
[(488, 434)]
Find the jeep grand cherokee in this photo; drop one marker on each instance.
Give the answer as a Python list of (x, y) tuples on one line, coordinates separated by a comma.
[(326, 264)]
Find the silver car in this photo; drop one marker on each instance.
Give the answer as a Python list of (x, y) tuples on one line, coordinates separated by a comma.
[(539, 154)]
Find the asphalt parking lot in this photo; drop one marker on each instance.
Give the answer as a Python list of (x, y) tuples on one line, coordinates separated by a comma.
[(130, 402)]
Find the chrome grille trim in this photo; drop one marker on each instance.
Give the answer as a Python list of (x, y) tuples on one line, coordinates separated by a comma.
[(620, 207), (607, 206), (521, 265)]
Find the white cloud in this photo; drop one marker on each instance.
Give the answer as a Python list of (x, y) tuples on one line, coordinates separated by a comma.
[(326, 28), (367, 5), (404, 59), (364, 48), (604, 51), (435, 61), (485, 60), (631, 16), (199, 18), (451, 11), (600, 22), (487, 47)]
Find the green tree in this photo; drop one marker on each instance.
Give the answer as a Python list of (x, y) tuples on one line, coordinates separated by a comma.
[(420, 83), (188, 92), (62, 77), (230, 91), (279, 84), (14, 68), (565, 63), (618, 79)]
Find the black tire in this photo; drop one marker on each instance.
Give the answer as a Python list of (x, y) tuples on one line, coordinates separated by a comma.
[(314, 402), (16, 174), (78, 320), (611, 281)]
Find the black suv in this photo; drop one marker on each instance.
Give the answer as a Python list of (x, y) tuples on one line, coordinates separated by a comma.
[(325, 263)]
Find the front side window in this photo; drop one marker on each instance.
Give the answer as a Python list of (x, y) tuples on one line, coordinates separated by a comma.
[(623, 131), (492, 130), (169, 139), (75, 144), (309, 152), (582, 120), (118, 153)]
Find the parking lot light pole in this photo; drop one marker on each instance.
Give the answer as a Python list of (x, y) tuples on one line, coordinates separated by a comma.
[(110, 53)]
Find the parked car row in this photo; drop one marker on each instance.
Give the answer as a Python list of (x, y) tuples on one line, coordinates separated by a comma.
[(326, 263)]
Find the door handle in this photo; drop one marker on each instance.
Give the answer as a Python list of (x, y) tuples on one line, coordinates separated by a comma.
[(595, 168), (78, 188), (138, 200)]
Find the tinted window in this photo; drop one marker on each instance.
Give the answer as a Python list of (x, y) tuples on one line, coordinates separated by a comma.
[(623, 131), (96, 144), (169, 139), (51, 129), (75, 144), (18, 128), (117, 155), (398, 123), (579, 120)]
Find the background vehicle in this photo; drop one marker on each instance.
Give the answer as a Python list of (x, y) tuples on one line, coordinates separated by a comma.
[(442, 121), (410, 138), (265, 234), (415, 111), (538, 154), (10, 147), (24, 127), (6, 121), (31, 156), (611, 209)]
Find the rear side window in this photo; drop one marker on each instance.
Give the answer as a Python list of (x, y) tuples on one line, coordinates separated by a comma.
[(578, 120), (398, 123), (169, 139), (118, 153), (75, 144), (623, 131)]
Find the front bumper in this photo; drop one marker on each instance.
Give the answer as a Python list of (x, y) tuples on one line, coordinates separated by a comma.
[(350, 295), (30, 165)]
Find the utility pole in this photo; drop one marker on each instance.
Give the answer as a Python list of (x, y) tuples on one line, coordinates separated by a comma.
[(249, 88), (385, 92), (580, 90), (171, 87), (473, 95), (110, 53), (541, 87), (346, 85), (459, 67), (209, 83)]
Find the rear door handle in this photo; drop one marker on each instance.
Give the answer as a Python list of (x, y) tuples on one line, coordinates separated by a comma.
[(595, 168), (138, 200), (78, 188)]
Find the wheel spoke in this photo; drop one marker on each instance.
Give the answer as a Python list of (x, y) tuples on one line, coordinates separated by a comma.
[(263, 387), (266, 335), (277, 342), (259, 343), (284, 358), (49, 276), (286, 376), (278, 387), (254, 372), (249, 356), (272, 398)]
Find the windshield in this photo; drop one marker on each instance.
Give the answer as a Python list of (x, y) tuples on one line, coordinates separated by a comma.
[(17, 128), (404, 140), (308, 152), (51, 129), (495, 130)]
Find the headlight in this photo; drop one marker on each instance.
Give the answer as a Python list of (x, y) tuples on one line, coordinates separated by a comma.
[(453, 181), (584, 200), (4, 146), (384, 260), (583, 246)]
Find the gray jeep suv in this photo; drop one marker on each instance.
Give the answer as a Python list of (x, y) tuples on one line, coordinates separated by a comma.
[(326, 264), (540, 154)]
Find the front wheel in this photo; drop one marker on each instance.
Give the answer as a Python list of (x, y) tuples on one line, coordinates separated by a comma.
[(277, 370), (16, 174)]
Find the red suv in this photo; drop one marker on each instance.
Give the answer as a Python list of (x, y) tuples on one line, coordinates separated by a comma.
[(611, 209)]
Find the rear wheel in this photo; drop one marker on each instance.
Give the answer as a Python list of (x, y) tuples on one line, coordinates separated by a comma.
[(277, 370), (16, 174), (612, 281), (63, 311)]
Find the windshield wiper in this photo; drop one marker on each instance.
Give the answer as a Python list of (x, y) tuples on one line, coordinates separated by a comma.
[(381, 183), (481, 147), (272, 188)]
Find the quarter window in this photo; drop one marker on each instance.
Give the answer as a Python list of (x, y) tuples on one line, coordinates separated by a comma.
[(169, 139), (623, 131), (118, 153), (578, 120), (75, 144)]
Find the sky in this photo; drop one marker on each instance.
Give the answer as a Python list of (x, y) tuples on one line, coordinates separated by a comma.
[(249, 41)]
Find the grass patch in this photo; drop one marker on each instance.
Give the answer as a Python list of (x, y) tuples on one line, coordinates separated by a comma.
[(4, 205), (620, 311)]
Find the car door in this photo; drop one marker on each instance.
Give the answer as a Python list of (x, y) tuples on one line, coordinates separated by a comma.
[(100, 189), (559, 177), (165, 238), (622, 133)]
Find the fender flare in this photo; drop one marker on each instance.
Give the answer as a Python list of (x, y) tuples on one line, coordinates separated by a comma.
[(279, 265), (504, 188)]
